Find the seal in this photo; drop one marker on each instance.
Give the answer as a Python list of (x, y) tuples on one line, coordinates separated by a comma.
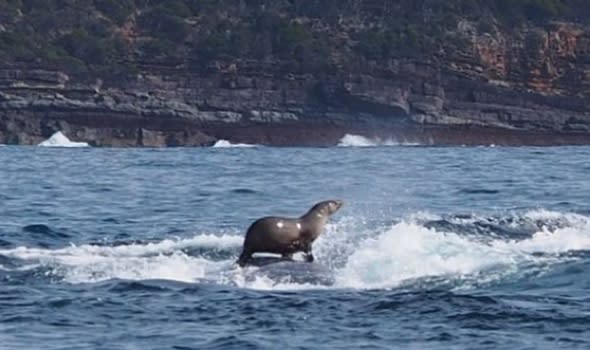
[(286, 236)]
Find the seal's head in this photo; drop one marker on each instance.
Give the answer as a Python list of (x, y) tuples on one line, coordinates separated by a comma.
[(326, 208), (334, 205)]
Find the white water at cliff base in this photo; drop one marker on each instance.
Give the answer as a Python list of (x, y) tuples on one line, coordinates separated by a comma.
[(60, 140), (227, 144), (361, 141)]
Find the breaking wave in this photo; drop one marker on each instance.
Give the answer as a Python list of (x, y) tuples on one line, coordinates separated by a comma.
[(458, 250), (227, 144), (60, 140), (362, 141)]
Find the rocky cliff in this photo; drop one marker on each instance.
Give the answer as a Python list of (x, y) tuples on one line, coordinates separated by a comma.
[(287, 76)]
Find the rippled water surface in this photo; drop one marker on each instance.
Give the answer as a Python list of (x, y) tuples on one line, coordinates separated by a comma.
[(435, 248)]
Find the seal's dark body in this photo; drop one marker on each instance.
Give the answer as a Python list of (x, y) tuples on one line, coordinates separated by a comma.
[(286, 236)]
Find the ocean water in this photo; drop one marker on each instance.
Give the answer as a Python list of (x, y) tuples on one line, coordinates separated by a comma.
[(435, 248)]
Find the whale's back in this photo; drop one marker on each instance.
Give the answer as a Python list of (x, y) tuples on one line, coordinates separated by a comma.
[(290, 271)]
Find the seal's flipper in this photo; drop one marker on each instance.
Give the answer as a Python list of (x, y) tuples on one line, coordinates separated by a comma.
[(244, 258)]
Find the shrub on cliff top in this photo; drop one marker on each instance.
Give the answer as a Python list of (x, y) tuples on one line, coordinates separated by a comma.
[(83, 46), (290, 37), (176, 8), (161, 25), (157, 49), (16, 46), (117, 10), (535, 10), (9, 9), (92, 50), (11, 39)]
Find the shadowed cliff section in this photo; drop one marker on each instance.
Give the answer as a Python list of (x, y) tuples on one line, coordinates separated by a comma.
[(176, 73)]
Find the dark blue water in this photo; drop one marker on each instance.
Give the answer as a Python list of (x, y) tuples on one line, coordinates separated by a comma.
[(436, 248)]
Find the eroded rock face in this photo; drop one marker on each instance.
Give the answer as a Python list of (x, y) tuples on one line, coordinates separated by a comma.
[(529, 86), (295, 72)]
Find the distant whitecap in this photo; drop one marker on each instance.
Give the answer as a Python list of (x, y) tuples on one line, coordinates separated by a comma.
[(227, 144), (361, 141), (60, 140)]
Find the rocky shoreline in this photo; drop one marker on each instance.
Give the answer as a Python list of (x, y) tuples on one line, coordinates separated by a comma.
[(285, 111)]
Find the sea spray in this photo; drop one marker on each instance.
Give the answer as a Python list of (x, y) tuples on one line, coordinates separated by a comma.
[(58, 139), (227, 144), (349, 140), (378, 258)]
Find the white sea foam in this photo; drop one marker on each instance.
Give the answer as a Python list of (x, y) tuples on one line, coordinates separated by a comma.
[(266, 283), (60, 140), (361, 257), (361, 141), (227, 144), (161, 260), (408, 250)]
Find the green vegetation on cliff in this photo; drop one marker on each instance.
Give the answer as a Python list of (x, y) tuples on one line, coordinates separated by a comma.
[(110, 37)]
